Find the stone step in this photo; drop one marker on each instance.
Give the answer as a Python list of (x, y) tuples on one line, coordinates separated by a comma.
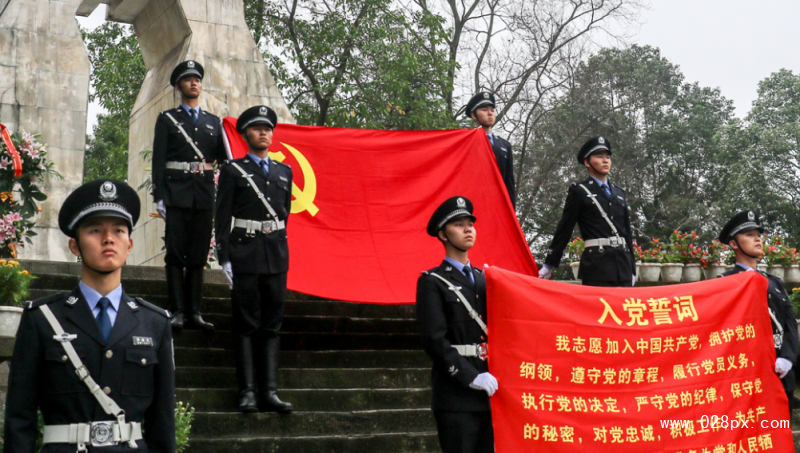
[(207, 357), (224, 400), (311, 378), (384, 443), (214, 425), (293, 341)]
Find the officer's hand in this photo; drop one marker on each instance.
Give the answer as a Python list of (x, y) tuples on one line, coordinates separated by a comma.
[(161, 209), (782, 367), (633, 280), (485, 382), (545, 272), (227, 269)]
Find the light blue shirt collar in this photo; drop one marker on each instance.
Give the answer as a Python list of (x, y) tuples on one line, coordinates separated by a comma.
[(746, 267), (93, 297), (491, 137), (258, 160), (189, 109), (460, 266), (600, 183)]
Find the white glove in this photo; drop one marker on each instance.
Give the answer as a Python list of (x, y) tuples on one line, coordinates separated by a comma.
[(545, 272), (485, 382), (161, 209), (227, 269), (633, 280), (782, 367)]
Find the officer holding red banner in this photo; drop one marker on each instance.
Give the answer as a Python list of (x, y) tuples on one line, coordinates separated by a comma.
[(451, 313), (255, 198), (743, 233), (602, 213)]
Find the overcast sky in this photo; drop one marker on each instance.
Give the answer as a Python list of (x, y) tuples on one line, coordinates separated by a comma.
[(730, 44)]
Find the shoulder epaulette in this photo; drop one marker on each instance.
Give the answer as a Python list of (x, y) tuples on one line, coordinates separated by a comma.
[(153, 307), (285, 165), (31, 304)]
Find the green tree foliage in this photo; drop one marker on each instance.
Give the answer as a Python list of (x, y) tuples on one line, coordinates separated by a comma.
[(355, 63), (117, 75)]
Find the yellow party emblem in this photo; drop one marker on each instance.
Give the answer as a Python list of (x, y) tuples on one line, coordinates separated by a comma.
[(303, 199)]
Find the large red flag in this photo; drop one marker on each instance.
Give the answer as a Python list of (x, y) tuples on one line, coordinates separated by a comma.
[(362, 200), (666, 369)]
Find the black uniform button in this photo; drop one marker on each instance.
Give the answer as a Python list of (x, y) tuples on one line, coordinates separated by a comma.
[(269, 199), (267, 182), (64, 358), (109, 354), (107, 391)]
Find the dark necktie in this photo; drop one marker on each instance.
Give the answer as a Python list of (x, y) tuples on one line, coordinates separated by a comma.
[(265, 167), (468, 272), (103, 320), (606, 190), (193, 112)]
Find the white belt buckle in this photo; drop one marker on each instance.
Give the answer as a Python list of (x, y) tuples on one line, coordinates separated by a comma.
[(194, 167), (268, 227), (102, 434), (614, 241), (482, 351)]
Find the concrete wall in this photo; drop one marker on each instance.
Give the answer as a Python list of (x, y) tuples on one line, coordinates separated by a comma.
[(44, 88)]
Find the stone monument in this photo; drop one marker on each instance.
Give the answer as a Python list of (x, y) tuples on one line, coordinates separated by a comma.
[(44, 84)]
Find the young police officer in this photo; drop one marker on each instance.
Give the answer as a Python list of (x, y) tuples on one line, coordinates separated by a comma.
[(603, 216), (120, 347), (451, 312), (481, 109), (187, 142), (255, 195), (743, 234)]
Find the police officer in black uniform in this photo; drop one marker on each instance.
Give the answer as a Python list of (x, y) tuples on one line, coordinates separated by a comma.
[(121, 346), (255, 197), (447, 298), (602, 213), (743, 234), (481, 109), (187, 142)]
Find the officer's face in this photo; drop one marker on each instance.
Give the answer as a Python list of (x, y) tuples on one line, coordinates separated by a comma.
[(259, 136), (460, 233), (600, 162), (749, 242), (484, 116), (190, 87), (103, 243)]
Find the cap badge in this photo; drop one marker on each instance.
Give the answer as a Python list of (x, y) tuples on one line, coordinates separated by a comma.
[(108, 191), (601, 140), (486, 95), (263, 110), (190, 64), (751, 215), (461, 203)]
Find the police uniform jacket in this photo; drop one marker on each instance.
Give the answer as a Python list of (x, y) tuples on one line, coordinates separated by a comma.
[(778, 301), (258, 253), (179, 188), (136, 365), (611, 264), (505, 162), (444, 321)]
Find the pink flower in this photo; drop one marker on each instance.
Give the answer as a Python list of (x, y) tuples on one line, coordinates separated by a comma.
[(4, 163)]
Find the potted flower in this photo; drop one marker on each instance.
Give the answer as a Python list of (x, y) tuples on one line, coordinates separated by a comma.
[(648, 266), (574, 252), (14, 289), (776, 255), (672, 260), (713, 256), (690, 253), (792, 274)]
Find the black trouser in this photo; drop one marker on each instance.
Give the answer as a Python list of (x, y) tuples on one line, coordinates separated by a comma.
[(188, 237), (465, 432), (626, 284), (258, 303)]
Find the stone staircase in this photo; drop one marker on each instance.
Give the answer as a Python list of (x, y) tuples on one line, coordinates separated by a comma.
[(355, 373)]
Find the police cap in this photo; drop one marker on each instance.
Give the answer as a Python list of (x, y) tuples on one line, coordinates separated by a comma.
[(482, 99), (99, 198), (451, 209), (259, 114), (740, 223), (593, 145), (186, 69)]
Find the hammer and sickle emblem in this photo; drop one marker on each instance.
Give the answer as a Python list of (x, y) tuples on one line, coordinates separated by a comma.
[(303, 199)]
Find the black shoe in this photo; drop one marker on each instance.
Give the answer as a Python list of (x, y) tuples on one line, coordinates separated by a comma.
[(194, 300), (175, 283), (271, 403), (245, 374), (247, 401)]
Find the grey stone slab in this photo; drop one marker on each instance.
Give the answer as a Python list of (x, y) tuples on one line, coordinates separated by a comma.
[(8, 47), (9, 114), (26, 86), (43, 12), (8, 84), (73, 132), (62, 19), (72, 58)]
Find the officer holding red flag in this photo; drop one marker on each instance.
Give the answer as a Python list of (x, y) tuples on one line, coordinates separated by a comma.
[(451, 313), (481, 109), (743, 233), (602, 213), (255, 197), (187, 142)]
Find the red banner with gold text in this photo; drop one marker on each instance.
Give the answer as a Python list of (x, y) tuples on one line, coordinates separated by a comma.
[(673, 369), (362, 200)]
